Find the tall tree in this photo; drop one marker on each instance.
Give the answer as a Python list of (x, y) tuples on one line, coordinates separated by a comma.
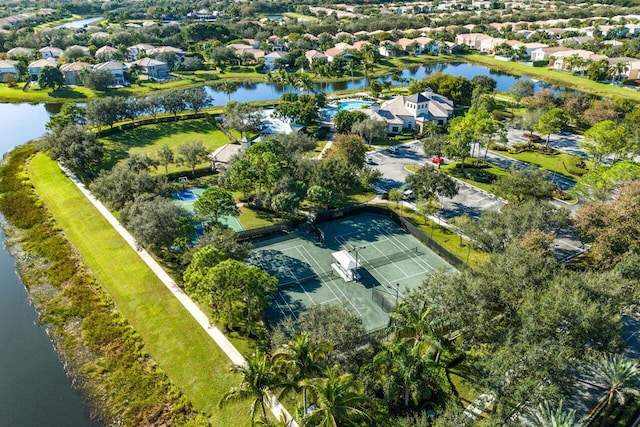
[(551, 122), (338, 400), (76, 147), (545, 415), (350, 148), (192, 154), (215, 203), (461, 136), (196, 99), (165, 157), (301, 359), (50, 77), (605, 138), (258, 382), (242, 116), (428, 182), (520, 185), (370, 129)]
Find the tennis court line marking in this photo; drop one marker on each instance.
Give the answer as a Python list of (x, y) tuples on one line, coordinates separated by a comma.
[(399, 244), (387, 257), (331, 280)]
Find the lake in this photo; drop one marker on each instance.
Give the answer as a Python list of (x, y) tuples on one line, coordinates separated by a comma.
[(34, 389), (250, 91)]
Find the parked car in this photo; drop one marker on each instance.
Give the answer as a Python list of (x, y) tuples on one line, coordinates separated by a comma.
[(369, 160), (392, 150), (436, 160), (408, 195)]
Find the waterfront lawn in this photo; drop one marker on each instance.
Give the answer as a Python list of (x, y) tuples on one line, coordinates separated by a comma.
[(150, 138), (176, 342), (35, 94), (555, 77), (301, 16)]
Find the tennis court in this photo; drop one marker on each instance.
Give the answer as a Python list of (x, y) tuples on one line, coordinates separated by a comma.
[(186, 198), (390, 261)]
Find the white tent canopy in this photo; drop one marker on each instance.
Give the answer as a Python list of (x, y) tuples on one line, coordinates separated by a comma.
[(345, 260)]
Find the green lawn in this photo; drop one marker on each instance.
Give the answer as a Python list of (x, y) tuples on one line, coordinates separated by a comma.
[(174, 339), (35, 94), (250, 218), (300, 16), (149, 139), (560, 163), (563, 78), (477, 176)]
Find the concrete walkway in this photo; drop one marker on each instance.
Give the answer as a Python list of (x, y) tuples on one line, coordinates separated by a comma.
[(478, 406), (232, 353)]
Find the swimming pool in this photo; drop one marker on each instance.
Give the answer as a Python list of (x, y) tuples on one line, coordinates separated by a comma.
[(350, 104)]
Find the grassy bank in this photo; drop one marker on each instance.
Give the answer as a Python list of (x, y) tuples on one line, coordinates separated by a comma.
[(556, 77), (173, 338)]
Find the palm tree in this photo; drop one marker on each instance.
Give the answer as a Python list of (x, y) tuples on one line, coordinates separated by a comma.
[(403, 371), (619, 377), (303, 82), (338, 400), (258, 382), (545, 416), (228, 87), (300, 359), (271, 80)]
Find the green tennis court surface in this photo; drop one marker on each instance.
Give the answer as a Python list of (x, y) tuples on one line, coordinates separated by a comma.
[(186, 199), (391, 262)]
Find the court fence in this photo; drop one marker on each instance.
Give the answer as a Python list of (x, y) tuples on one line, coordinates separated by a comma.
[(380, 298), (404, 223)]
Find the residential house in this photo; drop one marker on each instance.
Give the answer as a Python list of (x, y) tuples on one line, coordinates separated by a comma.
[(543, 54), (84, 49), (50, 52), (412, 112), (179, 52), (343, 46), (271, 59), (530, 47), (629, 70), (410, 46), (314, 55), (471, 40), (117, 70), (153, 69), (18, 52), (8, 68), (35, 67), (72, 72), (334, 52), (388, 49), (105, 52), (360, 44), (428, 45), (134, 51), (100, 35), (277, 44), (246, 50), (562, 61)]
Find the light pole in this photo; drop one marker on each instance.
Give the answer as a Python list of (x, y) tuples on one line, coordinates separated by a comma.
[(356, 249), (397, 292)]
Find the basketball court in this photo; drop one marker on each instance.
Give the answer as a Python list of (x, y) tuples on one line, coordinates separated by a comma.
[(389, 262)]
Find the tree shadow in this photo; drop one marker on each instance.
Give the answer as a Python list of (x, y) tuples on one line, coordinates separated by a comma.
[(119, 143), (67, 92)]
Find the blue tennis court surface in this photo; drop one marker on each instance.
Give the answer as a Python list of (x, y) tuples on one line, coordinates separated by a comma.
[(186, 198)]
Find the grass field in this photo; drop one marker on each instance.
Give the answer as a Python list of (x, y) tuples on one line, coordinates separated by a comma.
[(562, 78), (149, 139), (479, 177), (553, 162), (35, 94), (174, 339)]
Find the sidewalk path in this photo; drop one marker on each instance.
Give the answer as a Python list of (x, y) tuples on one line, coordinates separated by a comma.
[(232, 353)]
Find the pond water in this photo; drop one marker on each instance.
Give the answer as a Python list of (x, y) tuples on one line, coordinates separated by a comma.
[(80, 23), (249, 91), (34, 389)]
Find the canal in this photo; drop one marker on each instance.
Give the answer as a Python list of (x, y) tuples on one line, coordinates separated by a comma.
[(34, 389)]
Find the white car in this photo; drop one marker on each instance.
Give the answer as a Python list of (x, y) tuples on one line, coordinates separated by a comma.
[(369, 160), (408, 195), (392, 150)]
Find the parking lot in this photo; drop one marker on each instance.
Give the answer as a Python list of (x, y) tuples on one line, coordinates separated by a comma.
[(469, 200)]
